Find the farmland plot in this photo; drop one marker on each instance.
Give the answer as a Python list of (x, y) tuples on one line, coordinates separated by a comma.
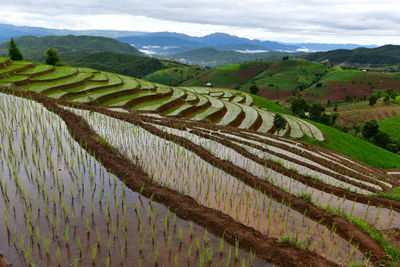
[(197, 179), (61, 207), (84, 85)]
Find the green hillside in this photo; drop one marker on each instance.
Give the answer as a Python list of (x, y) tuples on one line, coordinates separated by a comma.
[(340, 84), (384, 55), (174, 75), (126, 64), (356, 148), (216, 105), (34, 48), (282, 79), (391, 127)]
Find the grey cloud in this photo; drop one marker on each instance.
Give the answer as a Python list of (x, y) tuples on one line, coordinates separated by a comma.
[(291, 17)]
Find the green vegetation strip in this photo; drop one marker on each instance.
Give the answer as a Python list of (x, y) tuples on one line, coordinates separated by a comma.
[(356, 148), (392, 252)]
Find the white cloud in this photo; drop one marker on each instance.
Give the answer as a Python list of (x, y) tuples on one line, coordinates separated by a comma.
[(338, 21)]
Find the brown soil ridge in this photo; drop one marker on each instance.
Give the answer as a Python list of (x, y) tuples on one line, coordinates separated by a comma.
[(139, 100), (5, 64), (16, 71), (194, 109), (239, 119), (3, 261), (375, 172), (283, 156), (57, 78), (67, 86), (257, 124), (176, 102), (40, 73), (368, 171), (328, 164), (218, 115), (243, 100), (323, 162), (101, 81), (363, 199), (83, 92), (345, 228), (101, 100), (194, 101), (24, 68), (184, 206)]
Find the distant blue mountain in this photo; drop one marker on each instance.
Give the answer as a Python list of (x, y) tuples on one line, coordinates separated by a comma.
[(7, 31), (168, 43), (327, 47)]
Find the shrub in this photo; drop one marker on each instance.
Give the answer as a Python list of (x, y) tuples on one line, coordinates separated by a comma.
[(279, 122), (52, 57)]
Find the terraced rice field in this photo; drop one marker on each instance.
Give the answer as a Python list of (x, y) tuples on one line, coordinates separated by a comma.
[(81, 85), (99, 169), (89, 185)]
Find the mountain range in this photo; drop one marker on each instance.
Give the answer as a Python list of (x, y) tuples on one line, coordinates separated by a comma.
[(167, 43)]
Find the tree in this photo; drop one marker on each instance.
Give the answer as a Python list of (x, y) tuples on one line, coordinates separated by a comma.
[(373, 99), (299, 106), (254, 89), (381, 139), (52, 57), (370, 129), (386, 98), (285, 58), (279, 122), (389, 92), (316, 112), (13, 51), (325, 119)]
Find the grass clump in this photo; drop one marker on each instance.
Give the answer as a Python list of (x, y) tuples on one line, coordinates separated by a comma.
[(293, 241), (306, 197), (395, 195), (392, 252)]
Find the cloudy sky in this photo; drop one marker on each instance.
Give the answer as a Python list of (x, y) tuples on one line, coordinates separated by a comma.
[(326, 21)]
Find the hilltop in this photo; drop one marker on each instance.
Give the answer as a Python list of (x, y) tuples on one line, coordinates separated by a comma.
[(94, 52), (34, 48), (384, 55)]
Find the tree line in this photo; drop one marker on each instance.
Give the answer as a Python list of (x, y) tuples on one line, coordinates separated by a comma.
[(14, 53)]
